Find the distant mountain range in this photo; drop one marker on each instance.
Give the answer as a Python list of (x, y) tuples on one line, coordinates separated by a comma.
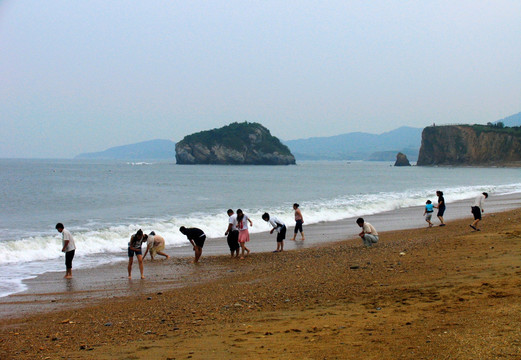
[(146, 150), (359, 146), (350, 146), (512, 120)]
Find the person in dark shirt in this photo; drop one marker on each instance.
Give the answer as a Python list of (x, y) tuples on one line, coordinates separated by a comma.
[(134, 248), (196, 237), (441, 207)]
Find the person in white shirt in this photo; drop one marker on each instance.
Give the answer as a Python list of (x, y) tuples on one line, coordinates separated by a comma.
[(476, 210), (279, 226), (369, 234), (68, 247), (232, 234)]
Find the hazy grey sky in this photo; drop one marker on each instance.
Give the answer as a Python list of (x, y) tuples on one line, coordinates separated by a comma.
[(82, 76)]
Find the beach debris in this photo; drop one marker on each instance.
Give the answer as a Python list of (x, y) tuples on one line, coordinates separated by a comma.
[(66, 321), (149, 298), (403, 253), (354, 267), (237, 305), (108, 324)]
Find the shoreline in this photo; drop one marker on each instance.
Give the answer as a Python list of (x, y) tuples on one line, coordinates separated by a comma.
[(419, 293), (46, 291)]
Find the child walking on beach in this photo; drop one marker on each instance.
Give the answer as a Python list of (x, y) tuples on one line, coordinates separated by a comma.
[(244, 235), (299, 220), (429, 209)]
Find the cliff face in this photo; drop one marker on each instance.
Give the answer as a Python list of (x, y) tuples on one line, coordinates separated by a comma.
[(469, 145), (235, 144)]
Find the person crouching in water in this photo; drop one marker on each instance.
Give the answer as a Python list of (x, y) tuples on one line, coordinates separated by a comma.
[(244, 234), (279, 226), (155, 244), (368, 234), (134, 248), (196, 237)]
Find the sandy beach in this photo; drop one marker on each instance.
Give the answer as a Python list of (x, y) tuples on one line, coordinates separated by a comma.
[(418, 294)]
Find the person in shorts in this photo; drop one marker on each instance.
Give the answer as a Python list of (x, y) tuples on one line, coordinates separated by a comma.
[(155, 245), (68, 247), (299, 220), (134, 248), (476, 210), (279, 226), (429, 209), (369, 234), (232, 234), (196, 237)]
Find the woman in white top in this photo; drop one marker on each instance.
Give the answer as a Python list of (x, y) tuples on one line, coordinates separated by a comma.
[(244, 235)]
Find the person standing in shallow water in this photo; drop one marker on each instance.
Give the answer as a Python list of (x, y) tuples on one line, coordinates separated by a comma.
[(441, 207), (68, 247), (244, 234), (299, 220), (134, 248)]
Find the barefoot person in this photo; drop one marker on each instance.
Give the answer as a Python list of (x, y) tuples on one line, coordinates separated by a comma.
[(429, 209), (68, 247), (299, 220), (441, 207), (196, 237), (279, 226), (232, 234), (477, 209), (134, 248), (368, 234), (155, 244), (244, 235)]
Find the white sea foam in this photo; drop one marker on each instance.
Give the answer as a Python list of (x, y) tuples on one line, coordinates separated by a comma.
[(115, 239)]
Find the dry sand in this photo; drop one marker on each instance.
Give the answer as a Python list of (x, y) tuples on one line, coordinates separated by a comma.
[(439, 293)]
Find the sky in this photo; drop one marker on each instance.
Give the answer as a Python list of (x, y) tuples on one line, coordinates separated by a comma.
[(84, 76)]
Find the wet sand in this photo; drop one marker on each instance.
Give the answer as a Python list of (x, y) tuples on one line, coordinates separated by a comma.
[(419, 293)]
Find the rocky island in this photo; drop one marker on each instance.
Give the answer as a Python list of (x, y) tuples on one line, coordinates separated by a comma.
[(477, 145), (235, 144)]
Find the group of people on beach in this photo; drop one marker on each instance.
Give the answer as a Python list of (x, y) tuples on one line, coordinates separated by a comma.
[(237, 234), (476, 209)]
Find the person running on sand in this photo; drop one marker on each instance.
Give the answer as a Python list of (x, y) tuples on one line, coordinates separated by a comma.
[(279, 226), (299, 220), (196, 237), (368, 234), (68, 247), (232, 234), (441, 207), (134, 248), (477, 209), (429, 209), (244, 235), (155, 244)]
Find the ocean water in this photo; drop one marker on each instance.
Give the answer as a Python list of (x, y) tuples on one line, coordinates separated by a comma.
[(103, 202)]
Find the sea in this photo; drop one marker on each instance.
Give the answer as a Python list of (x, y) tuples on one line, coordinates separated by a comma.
[(103, 202)]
